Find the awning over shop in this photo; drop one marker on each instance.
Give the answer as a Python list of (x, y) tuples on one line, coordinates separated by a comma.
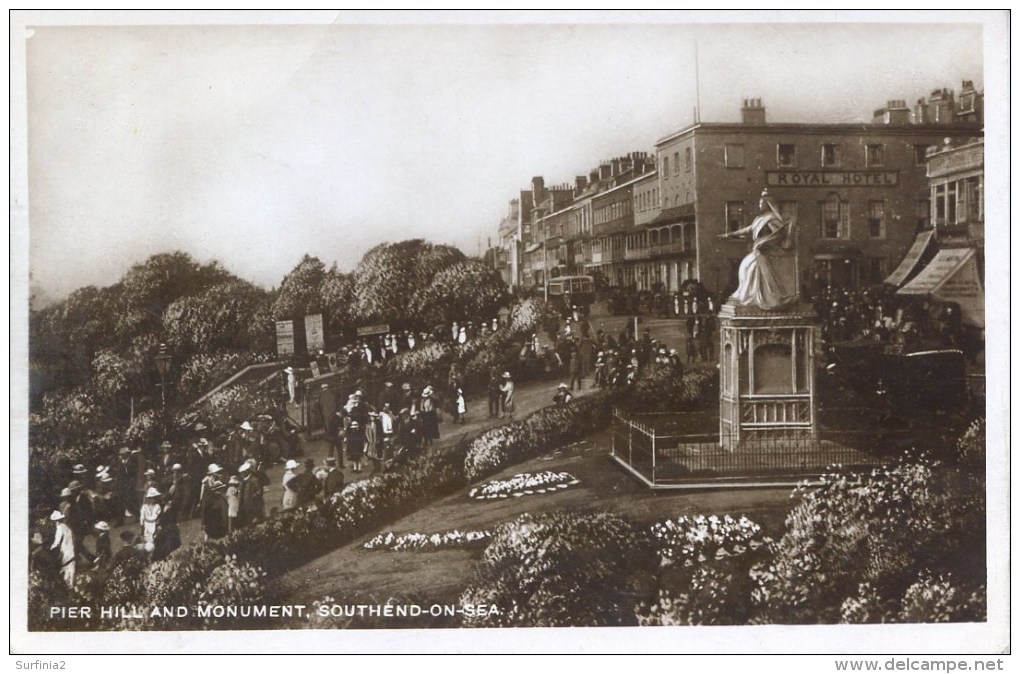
[(952, 276), (533, 247), (673, 215), (908, 265)]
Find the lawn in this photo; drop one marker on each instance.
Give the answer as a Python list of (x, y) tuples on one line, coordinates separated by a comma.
[(440, 577)]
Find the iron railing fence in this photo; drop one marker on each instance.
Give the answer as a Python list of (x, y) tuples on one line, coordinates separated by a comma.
[(682, 448)]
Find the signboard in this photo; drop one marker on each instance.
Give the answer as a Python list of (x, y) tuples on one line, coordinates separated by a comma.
[(285, 338), (313, 332), (832, 178), (908, 263), (952, 277), (368, 330)]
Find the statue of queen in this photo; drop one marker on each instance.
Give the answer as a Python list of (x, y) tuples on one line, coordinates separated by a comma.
[(768, 275)]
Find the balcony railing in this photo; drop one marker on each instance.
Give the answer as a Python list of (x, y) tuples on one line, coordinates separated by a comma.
[(671, 248), (636, 254)]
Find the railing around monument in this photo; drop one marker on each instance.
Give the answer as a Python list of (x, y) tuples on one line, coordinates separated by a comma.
[(685, 450)]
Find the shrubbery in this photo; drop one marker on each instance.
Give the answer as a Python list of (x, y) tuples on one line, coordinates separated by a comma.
[(563, 569), (856, 543)]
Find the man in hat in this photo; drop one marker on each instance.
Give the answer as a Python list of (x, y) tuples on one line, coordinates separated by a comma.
[(407, 398), (165, 462), (124, 480), (429, 417), (215, 512), (575, 370), (291, 384), (507, 389), (80, 473), (180, 491), (563, 395), (330, 420), (80, 515), (334, 481), (63, 543), (253, 484), (106, 505), (495, 397), (102, 558)]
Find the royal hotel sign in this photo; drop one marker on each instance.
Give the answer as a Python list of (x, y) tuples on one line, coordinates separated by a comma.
[(831, 178)]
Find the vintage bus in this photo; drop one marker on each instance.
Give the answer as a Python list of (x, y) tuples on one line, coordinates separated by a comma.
[(565, 292)]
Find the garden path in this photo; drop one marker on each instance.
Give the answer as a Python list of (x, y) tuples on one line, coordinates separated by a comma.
[(440, 576)]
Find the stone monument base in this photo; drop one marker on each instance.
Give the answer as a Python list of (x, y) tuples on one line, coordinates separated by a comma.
[(767, 376)]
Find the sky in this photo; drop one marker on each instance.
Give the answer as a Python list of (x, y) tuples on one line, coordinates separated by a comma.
[(256, 144)]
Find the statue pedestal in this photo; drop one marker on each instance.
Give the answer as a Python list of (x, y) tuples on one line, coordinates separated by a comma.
[(767, 375)]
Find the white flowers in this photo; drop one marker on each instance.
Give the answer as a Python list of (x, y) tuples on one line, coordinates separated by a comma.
[(426, 542), (524, 483), (690, 539)]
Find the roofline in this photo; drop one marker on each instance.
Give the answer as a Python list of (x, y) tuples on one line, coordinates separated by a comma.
[(912, 129)]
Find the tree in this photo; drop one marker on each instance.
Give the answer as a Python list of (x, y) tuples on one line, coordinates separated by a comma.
[(152, 286), (462, 291), (387, 274), (337, 299), (300, 293), (227, 315)]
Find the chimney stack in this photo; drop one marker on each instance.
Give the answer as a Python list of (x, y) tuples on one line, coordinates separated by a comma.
[(753, 111)]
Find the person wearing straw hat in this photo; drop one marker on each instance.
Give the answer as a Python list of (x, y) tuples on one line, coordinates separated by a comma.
[(507, 389), (215, 513), (253, 484), (212, 476), (149, 516), (103, 556), (290, 495), (563, 395), (355, 444), (429, 417), (63, 543)]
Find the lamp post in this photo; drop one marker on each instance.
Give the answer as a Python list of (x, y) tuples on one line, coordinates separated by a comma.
[(163, 367)]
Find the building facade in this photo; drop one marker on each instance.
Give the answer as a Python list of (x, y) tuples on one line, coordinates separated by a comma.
[(858, 193)]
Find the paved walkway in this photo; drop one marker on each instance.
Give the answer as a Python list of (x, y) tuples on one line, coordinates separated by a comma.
[(528, 397)]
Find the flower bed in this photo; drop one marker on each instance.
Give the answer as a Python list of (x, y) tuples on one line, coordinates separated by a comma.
[(524, 483), (426, 542), (294, 537), (689, 540)]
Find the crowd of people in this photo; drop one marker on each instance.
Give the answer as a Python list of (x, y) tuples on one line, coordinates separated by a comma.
[(878, 315), (375, 350)]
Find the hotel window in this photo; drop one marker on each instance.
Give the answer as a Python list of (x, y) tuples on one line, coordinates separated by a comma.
[(876, 219), (874, 155), (939, 195), (734, 215), (665, 167), (734, 156), (786, 155), (923, 213), (920, 155), (832, 154), (687, 159), (676, 163), (951, 210), (835, 219)]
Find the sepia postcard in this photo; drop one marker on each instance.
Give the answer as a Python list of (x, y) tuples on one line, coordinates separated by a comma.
[(440, 332)]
